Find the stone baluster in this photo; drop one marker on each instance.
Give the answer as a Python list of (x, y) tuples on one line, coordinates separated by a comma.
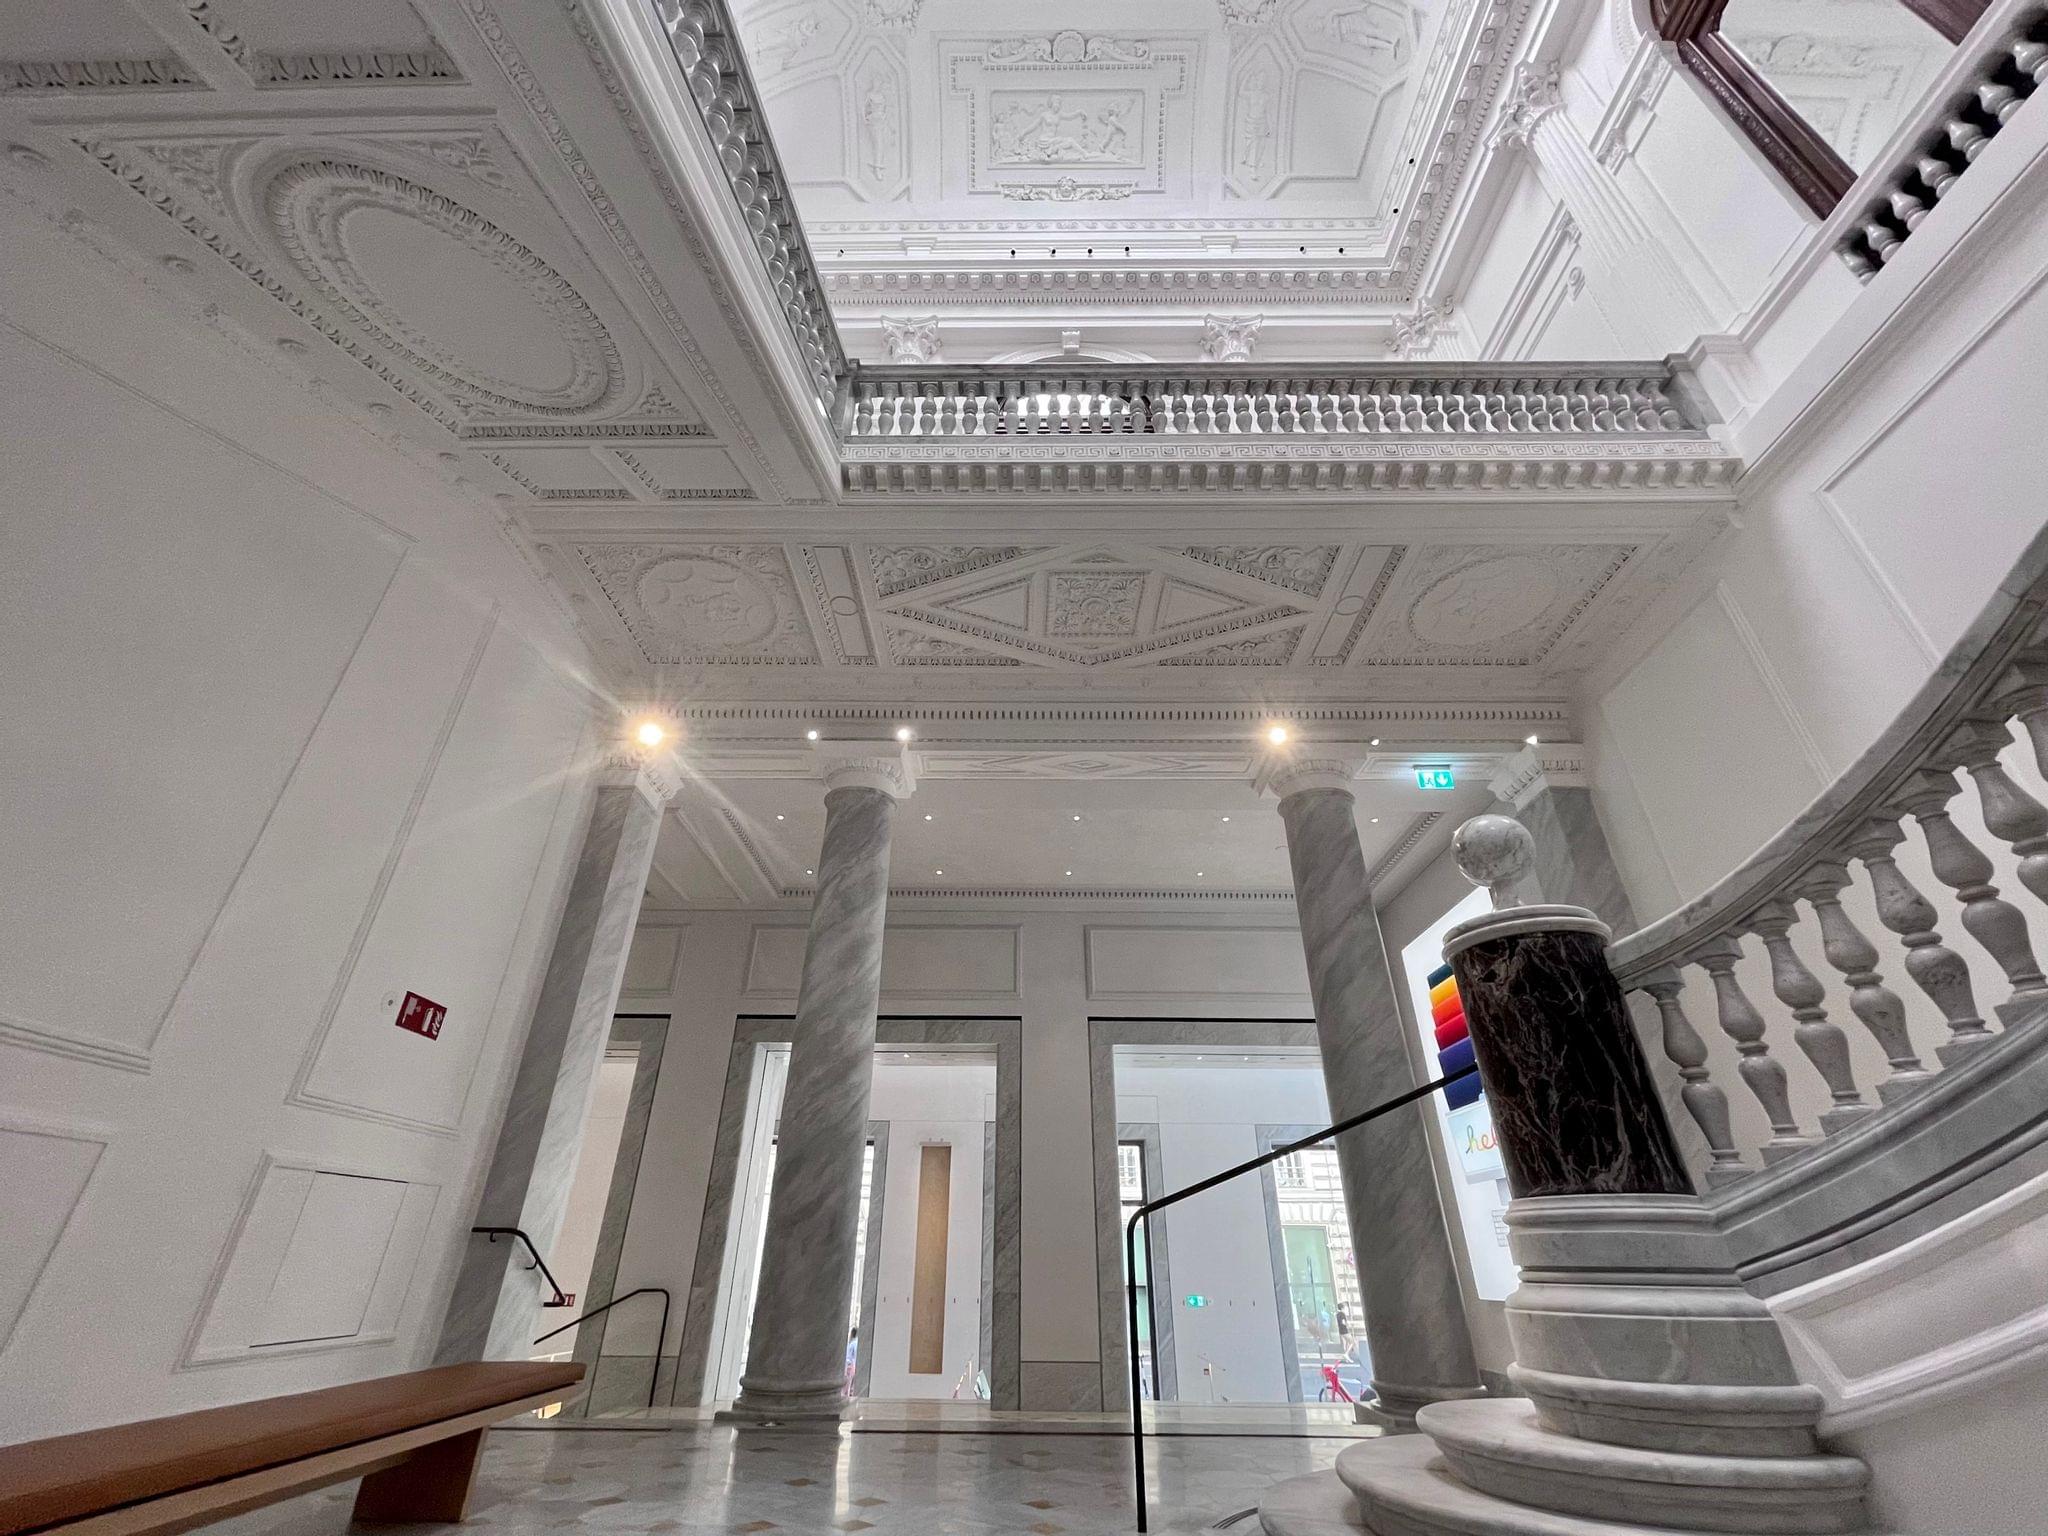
[(2023, 695), (1741, 1023), (1849, 952), (1962, 866), (1703, 1099), (1800, 990), (1935, 968), (2012, 815)]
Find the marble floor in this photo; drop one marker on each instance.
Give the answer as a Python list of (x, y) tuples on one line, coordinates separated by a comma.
[(878, 1415), (693, 1480)]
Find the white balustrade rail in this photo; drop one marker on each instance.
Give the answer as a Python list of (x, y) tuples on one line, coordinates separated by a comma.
[(1628, 399), (1994, 86), (1789, 901)]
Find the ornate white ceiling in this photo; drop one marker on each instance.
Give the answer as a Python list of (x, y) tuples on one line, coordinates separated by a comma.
[(458, 229), (1073, 157)]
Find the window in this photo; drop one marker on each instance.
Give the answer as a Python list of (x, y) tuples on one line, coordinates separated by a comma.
[(1290, 1172), (1818, 89)]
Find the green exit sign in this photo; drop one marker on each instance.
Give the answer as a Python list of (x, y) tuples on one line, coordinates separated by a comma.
[(1198, 1301), (1439, 777)]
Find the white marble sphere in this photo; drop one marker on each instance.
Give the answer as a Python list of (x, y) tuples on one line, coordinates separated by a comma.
[(1498, 853)]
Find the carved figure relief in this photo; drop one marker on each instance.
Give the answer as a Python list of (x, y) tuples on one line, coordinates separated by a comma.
[(877, 131), (717, 602), (1370, 30), (780, 44), (1055, 128), (891, 15), (1252, 137)]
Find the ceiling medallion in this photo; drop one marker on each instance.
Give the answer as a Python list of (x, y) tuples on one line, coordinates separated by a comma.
[(495, 324)]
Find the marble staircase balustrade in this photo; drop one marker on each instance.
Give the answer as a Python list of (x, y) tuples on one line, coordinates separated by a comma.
[(1785, 906)]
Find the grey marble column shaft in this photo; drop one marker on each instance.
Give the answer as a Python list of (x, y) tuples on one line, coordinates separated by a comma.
[(494, 1310), (796, 1354), (1414, 1310)]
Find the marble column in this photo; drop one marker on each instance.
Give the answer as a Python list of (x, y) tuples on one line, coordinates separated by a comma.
[(796, 1353), (1414, 1309), (1544, 788), (494, 1310)]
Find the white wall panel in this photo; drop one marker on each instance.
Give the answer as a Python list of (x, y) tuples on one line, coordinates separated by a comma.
[(159, 676), (1125, 962), (918, 961), (43, 1177)]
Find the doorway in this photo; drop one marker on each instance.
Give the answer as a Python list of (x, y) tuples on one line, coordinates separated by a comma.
[(1249, 1291), (921, 1308)]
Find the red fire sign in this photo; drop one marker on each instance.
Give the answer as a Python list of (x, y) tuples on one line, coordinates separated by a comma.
[(421, 1015)]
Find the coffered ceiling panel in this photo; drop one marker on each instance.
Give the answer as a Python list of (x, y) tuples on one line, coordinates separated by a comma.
[(749, 615)]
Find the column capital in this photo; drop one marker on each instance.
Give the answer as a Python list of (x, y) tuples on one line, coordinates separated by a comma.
[(1285, 773), (885, 765), (1531, 96), (1551, 765), (653, 771)]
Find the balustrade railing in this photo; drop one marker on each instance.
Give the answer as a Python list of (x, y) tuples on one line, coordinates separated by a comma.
[(1104, 400), (1788, 902), (1995, 85)]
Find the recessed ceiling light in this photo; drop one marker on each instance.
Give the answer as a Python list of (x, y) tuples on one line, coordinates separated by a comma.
[(810, 871), (1277, 735), (810, 735), (780, 817), (1226, 818), (1070, 874), (650, 734), (927, 815), (1531, 741), (1375, 821), (903, 733), (1077, 818), (938, 871), (1374, 742), (1198, 874)]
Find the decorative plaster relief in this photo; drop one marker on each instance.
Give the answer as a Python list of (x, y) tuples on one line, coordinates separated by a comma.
[(1093, 605), (1069, 47), (1488, 605), (443, 289), (912, 339), (731, 603), (1063, 128), (1299, 568), (898, 568), (1229, 338)]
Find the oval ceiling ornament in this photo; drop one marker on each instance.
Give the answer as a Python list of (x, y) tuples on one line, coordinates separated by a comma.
[(449, 293)]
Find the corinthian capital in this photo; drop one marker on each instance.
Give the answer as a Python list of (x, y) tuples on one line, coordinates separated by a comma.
[(883, 765), (1287, 774), (1530, 97)]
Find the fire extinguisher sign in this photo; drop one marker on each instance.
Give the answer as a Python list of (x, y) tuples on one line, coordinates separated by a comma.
[(421, 1015)]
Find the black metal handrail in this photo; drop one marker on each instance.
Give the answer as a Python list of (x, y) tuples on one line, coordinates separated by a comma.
[(660, 1338), (562, 1298), (1144, 1213)]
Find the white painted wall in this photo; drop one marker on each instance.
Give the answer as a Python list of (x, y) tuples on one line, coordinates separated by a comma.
[(290, 732), (1217, 1244)]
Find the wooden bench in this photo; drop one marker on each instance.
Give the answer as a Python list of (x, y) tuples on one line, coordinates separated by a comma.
[(413, 1439)]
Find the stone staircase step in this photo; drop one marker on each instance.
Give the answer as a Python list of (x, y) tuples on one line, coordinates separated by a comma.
[(1503, 1447), (1404, 1487), (1314, 1505)]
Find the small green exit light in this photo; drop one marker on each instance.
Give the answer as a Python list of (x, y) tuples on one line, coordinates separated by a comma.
[(1438, 777), (1198, 1301)]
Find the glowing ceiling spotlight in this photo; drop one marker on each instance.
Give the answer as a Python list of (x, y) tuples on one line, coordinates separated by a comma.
[(650, 733), (1277, 735)]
